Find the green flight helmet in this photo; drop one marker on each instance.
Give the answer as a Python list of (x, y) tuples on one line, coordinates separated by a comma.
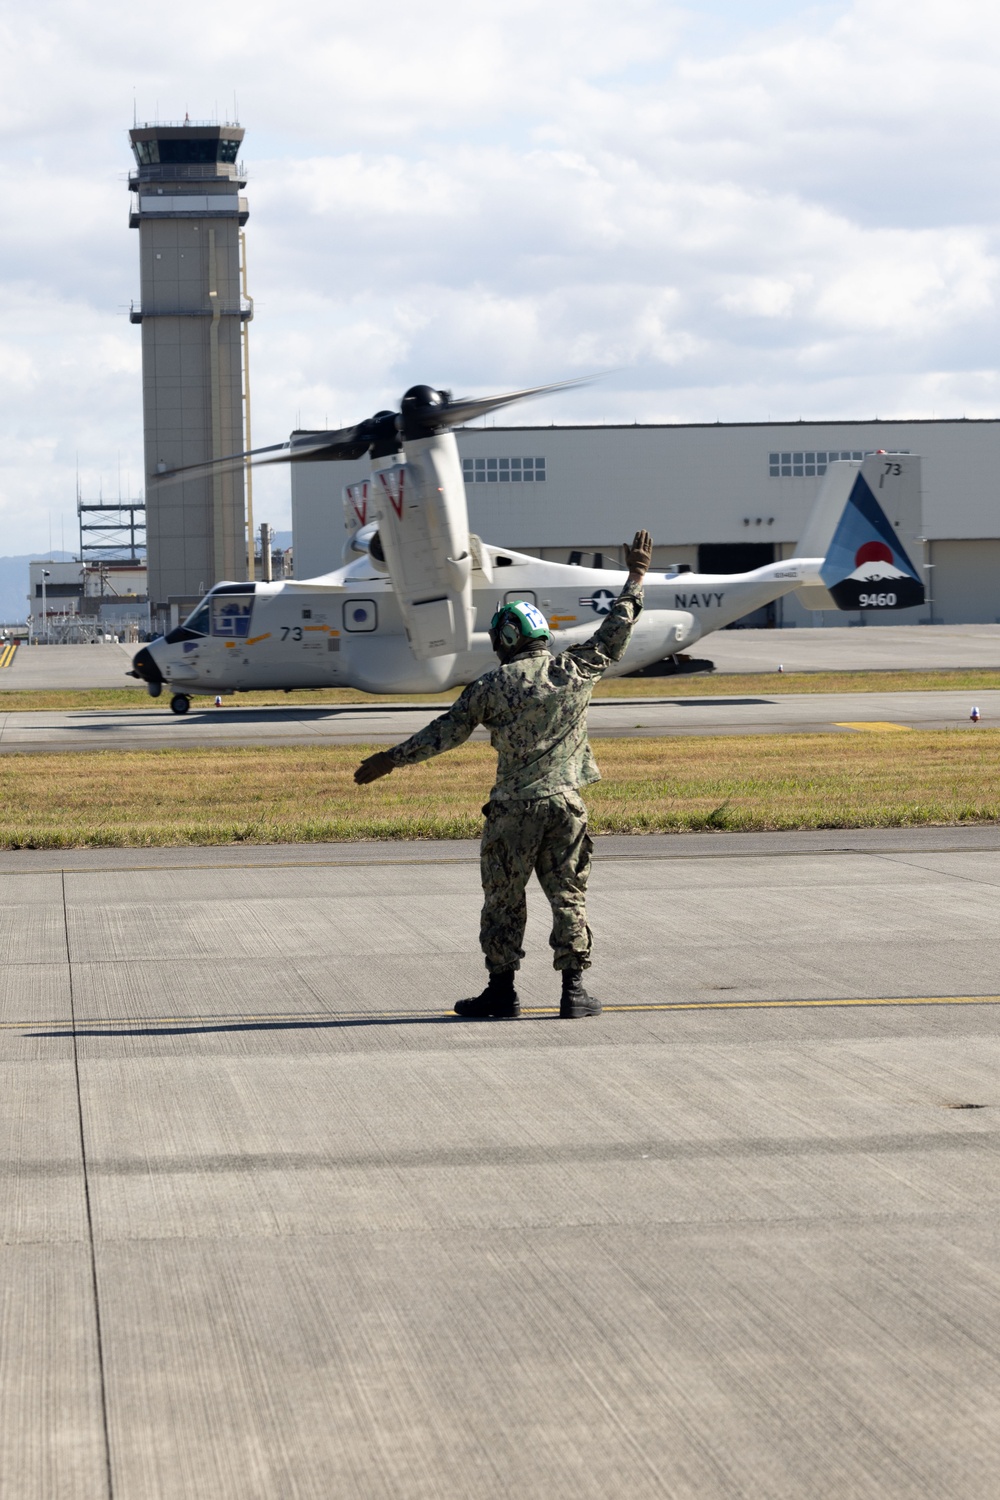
[(515, 623)]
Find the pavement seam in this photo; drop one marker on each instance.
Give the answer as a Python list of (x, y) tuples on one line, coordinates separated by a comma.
[(98, 1330), (911, 859)]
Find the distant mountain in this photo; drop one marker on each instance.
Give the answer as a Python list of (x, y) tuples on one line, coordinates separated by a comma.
[(14, 584)]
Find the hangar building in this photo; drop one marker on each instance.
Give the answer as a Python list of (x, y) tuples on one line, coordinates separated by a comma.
[(719, 498)]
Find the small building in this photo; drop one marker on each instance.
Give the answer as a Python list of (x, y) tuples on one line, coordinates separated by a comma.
[(109, 593), (58, 588)]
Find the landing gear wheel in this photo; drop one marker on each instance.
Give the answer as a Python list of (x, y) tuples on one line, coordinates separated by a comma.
[(180, 703)]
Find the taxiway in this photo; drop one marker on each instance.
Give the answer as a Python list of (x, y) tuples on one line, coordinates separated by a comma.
[(154, 727)]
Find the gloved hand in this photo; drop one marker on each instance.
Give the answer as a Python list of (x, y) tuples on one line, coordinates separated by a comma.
[(379, 764), (639, 556)]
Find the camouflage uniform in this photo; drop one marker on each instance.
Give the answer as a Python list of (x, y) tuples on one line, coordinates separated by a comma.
[(535, 708)]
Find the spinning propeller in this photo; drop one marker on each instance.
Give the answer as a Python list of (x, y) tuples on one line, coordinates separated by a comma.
[(423, 412)]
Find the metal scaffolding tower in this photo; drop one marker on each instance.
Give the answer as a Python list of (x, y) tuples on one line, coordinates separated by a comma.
[(112, 529)]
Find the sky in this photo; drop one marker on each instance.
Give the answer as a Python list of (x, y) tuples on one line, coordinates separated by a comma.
[(746, 210)]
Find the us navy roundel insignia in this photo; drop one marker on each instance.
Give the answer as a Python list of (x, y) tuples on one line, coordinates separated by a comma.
[(600, 602)]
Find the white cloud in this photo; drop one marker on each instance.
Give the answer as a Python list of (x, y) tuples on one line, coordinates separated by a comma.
[(792, 215)]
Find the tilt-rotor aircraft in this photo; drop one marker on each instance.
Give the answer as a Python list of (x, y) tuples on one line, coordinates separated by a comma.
[(409, 609)]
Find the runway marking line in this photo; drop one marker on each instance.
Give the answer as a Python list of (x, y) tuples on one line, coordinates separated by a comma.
[(7, 654), (535, 1010), (878, 725)]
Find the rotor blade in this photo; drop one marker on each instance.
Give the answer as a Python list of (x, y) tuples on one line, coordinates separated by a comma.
[(467, 409), (346, 442)]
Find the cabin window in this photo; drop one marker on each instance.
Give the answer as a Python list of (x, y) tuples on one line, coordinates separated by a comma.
[(200, 621), (231, 616), (360, 615)]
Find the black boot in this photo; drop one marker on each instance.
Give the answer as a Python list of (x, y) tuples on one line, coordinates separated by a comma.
[(498, 1002), (575, 1002)]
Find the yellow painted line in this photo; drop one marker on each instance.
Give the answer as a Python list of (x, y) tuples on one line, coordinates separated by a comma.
[(562, 619), (538, 1010), (255, 638), (877, 725), (7, 655), (230, 645), (315, 627), (810, 1004)]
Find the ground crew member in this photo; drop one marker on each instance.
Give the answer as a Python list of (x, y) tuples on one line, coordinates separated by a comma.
[(535, 707)]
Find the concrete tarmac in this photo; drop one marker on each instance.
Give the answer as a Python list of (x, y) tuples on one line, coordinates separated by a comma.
[(101, 665), (276, 1223), (155, 727), (849, 648)]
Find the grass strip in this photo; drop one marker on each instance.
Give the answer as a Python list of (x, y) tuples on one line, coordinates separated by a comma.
[(726, 685), (293, 795)]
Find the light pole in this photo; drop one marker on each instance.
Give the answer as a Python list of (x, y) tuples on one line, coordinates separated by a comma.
[(45, 617)]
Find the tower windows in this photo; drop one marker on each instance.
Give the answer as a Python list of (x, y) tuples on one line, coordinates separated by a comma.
[(193, 150)]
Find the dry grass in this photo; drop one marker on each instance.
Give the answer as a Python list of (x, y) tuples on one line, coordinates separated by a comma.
[(732, 684), (754, 684), (221, 796)]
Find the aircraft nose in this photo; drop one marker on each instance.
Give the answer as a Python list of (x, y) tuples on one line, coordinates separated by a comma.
[(144, 666)]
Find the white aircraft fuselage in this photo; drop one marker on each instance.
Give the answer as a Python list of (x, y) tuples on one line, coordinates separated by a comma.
[(345, 629)]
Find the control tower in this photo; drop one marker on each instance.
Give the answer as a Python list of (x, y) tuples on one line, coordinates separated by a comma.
[(188, 209)]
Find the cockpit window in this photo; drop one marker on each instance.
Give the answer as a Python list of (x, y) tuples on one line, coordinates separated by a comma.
[(231, 615), (199, 622)]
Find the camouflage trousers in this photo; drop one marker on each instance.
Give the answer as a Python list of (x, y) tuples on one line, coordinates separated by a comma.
[(547, 835)]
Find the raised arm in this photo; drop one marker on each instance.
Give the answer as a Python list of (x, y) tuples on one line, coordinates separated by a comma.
[(608, 643), (445, 733), (638, 557)]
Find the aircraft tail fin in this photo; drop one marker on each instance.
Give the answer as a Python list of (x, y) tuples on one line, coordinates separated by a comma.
[(866, 525)]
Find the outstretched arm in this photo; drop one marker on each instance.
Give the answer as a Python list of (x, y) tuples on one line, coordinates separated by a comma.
[(608, 644), (451, 729)]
